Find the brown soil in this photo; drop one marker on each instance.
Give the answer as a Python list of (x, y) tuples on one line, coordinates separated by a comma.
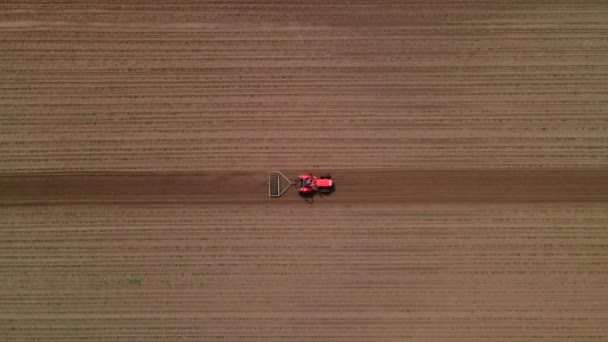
[(468, 140), (353, 186)]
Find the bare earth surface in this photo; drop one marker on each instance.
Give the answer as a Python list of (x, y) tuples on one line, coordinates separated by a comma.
[(355, 187), (468, 141)]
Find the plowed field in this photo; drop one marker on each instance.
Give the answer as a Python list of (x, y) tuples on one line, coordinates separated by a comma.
[(468, 141)]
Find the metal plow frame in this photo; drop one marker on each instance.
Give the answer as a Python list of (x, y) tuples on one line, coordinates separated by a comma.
[(274, 184)]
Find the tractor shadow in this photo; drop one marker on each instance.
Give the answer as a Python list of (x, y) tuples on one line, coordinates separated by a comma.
[(310, 198)]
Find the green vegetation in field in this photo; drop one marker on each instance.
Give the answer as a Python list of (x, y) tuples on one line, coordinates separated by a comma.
[(130, 282), (134, 282)]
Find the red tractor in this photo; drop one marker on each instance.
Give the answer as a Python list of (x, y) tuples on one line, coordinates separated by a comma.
[(308, 184)]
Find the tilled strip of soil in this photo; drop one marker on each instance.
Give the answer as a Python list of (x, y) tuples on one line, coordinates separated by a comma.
[(352, 186)]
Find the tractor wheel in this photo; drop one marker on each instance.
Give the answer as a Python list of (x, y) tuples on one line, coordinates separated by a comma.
[(325, 176)]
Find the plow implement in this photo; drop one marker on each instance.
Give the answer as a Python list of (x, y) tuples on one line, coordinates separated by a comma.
[(278, 184)]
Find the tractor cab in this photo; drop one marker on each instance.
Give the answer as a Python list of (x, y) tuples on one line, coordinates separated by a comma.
[(306, 184)]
